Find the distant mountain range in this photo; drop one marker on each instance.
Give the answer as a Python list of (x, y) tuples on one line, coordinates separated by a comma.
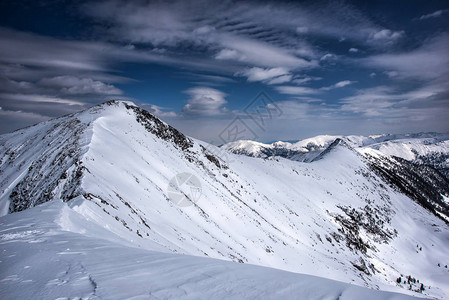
[(425, 148), (407, 146)]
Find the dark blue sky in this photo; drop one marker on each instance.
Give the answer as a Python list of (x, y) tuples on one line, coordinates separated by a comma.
[(328, 67)]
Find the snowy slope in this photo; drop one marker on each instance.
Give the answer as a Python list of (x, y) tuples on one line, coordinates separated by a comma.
[(333, 218), (52, 237)]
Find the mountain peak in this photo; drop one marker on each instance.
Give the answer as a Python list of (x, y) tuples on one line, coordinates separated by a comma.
[(49, 155), (117, 102), (339, 143), (151, 123), (158, 127), (51, 159)]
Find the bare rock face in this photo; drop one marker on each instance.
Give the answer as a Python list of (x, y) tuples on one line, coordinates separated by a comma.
[(161, 129), (57, 170)]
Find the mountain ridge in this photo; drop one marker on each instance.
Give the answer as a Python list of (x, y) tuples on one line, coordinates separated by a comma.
[(332, 218)]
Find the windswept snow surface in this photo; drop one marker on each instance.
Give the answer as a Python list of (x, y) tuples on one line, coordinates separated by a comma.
[(47, 255), (332, 218)]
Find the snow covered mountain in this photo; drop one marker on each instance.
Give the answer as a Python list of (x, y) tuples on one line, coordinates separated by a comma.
[(422, 148), (106, 174), (305, 150), (407, 146)]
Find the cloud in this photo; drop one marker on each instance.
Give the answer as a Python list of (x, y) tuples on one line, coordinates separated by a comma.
[(339, 84), (296, 90), (202, 79), (13, 119), (158, 110), (267, 74), (280, 79), (343, 83), (215, 29), (391, 74), (374, 110), (205, 101), (79, 86), (32, 56), (370, 102), (43, 77), (302, 29), (37, 51), (259, 53), (386, 34), (435, 14), (36, 70), (385, 37), (174, 22), (230, 54), (305, 79), (293, 109), (430, 61), (274, 43), (253, 34), (328, 57), (387, 102), (40, 98)]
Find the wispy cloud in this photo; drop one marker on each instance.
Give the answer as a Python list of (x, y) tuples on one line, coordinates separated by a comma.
[(305, 79), (40, 98), (435, 14), (328, 57), (269, 75), (339, 84), (296, 90), (429, 61), (266, 35), (386, 102), (42, 77), (175, 24), (259, 53), (79, 86)]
